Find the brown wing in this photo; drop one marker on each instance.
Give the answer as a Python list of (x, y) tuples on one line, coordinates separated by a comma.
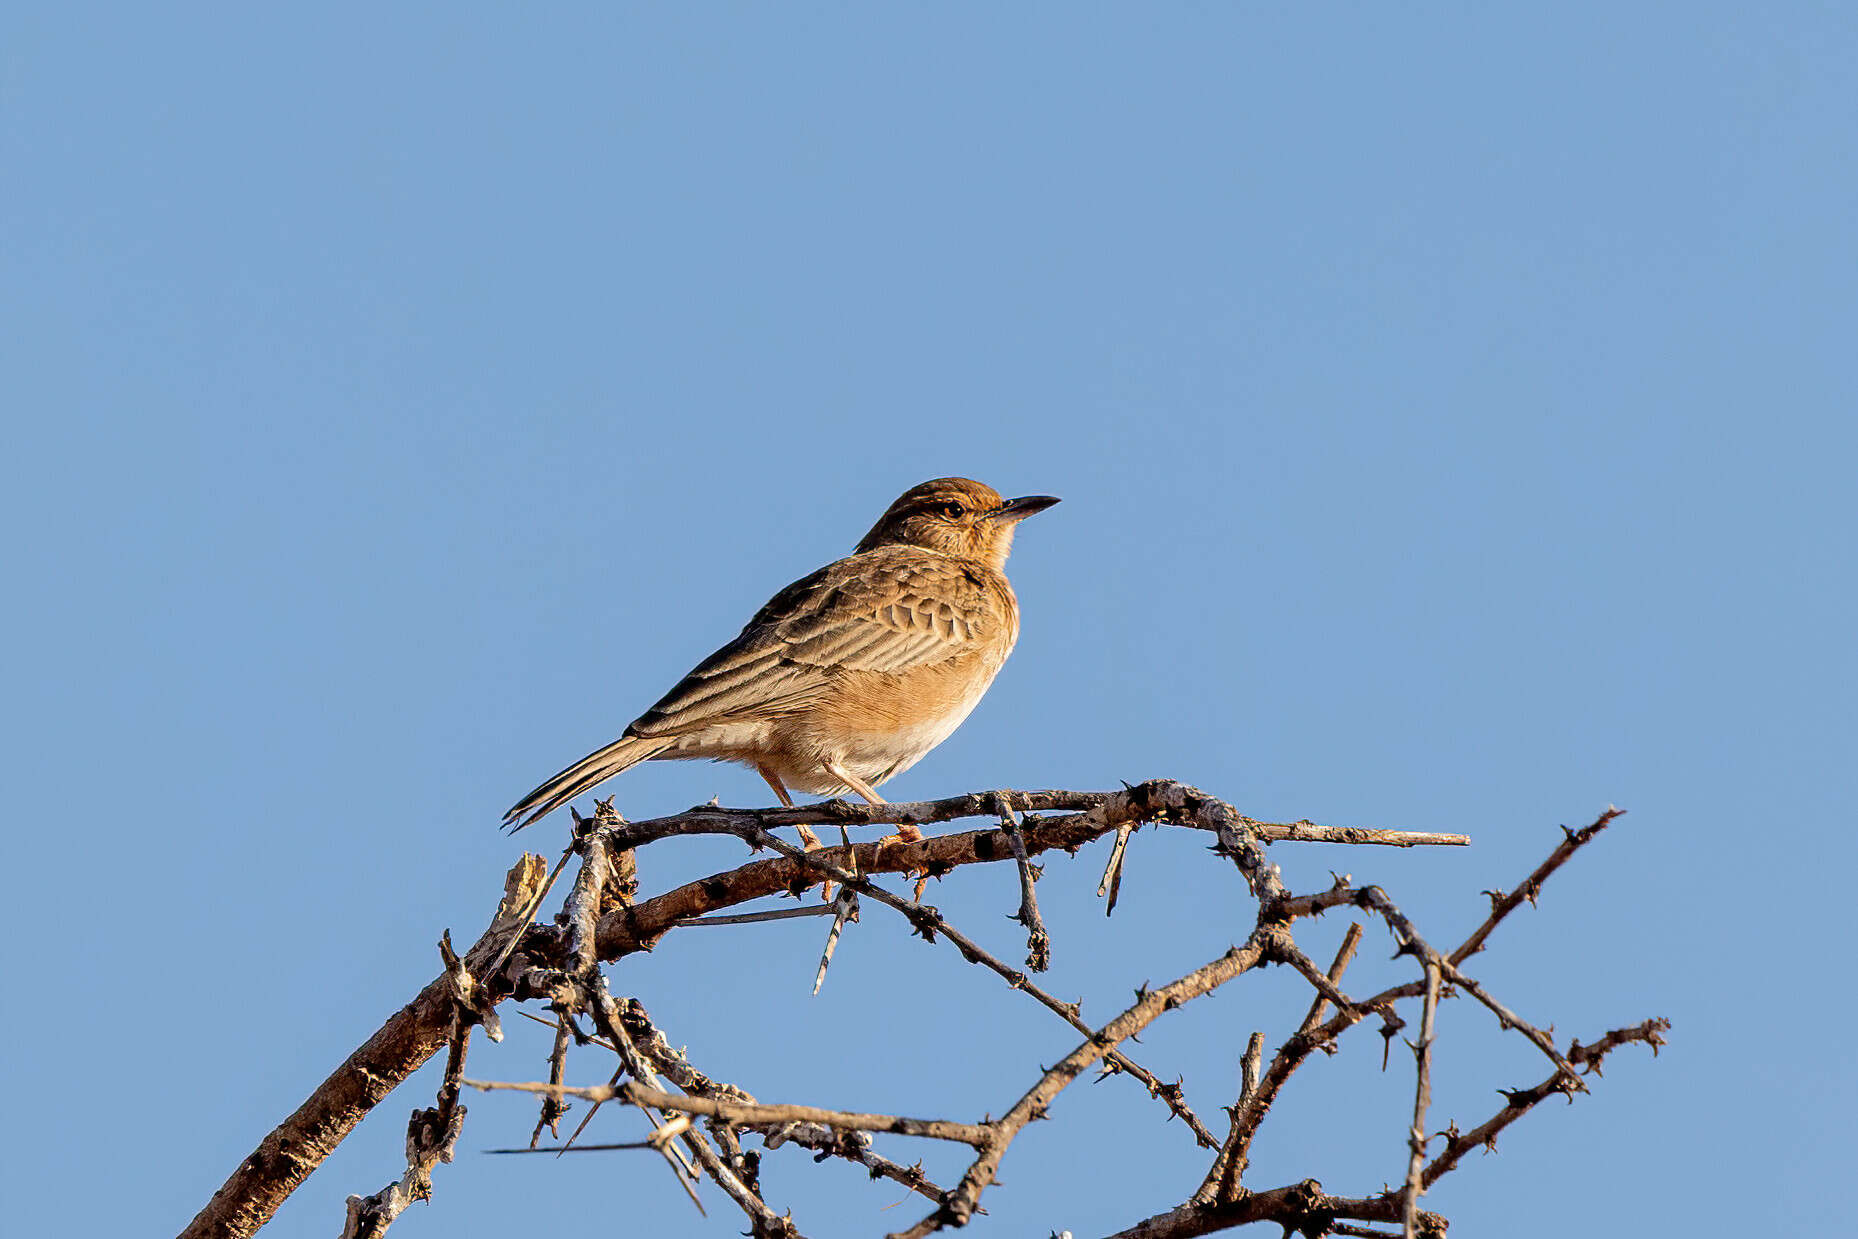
[(882, 610)]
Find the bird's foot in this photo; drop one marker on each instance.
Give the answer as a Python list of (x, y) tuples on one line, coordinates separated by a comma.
[(906, 834), (811, 843)]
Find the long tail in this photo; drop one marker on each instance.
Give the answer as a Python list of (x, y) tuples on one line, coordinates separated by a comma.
[(588, 772)]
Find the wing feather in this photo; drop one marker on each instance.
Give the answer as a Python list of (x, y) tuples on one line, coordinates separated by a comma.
[(876, 611)]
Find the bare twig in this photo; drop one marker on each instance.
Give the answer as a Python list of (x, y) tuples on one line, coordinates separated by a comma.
[(844, 908), (1519, 1102), (299, 1144), (1038, 941), (1375, 899), (853, 1146), (1251, 1066), (706, 1128), (1501, 905), (960, 1202), (559, 1149), (929, 922), (759, 918), (582, 913), (1222, 1179), (553, 1108), (1300, 1208), (650, 1043), (431, 1135), (1509, 1019), (1112, 883), (528, 914), (750, 1114), (619, 1073), (606, 1016), (1344, 955), (587, 990), (715, 819), (1422, 1100)]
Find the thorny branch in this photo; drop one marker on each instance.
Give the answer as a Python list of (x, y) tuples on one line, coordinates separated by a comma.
[(1222, 1181), (750, 1114), (959, 1205), (1520, 1101), (700, 1128), (1422, 1101), (1038, 940), (929, 923)]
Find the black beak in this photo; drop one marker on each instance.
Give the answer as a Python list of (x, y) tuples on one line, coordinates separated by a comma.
[(1015, 510)]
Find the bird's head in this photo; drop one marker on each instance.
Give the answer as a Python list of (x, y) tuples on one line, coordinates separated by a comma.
[(955, 516)]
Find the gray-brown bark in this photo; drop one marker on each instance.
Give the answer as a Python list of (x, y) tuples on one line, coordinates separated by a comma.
[(700, 1129)]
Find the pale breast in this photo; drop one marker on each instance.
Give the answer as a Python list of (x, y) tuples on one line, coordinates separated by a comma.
[(880, 726), (875, 758), (883, 686)]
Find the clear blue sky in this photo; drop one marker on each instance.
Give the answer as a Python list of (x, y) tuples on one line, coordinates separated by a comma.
[(1453, 408)]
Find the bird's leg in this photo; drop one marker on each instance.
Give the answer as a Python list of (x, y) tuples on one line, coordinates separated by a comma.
[(808, 839), (906, 832), (774, 781), (852, 781)]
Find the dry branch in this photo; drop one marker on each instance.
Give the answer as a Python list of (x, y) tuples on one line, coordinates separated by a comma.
[(701, 1128), (749, 1114), (411, 1036), (1520, 1101), (1501, 904), (960, 1203), (1222, 1180), (1300, 1208), (1422, 1100)]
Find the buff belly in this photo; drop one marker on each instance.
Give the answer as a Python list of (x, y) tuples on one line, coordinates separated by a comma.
[(795, 748)]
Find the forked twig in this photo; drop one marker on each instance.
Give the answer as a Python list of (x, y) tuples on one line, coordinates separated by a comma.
[(1422, 1100), (701, 1130)]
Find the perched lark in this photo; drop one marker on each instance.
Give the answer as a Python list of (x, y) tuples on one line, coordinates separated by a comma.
[(852, 674)]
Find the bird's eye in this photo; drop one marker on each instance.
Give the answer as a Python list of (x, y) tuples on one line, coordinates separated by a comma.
[(954, 511)]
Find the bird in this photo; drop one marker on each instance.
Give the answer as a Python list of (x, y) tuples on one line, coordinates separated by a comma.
[(849, 675)]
